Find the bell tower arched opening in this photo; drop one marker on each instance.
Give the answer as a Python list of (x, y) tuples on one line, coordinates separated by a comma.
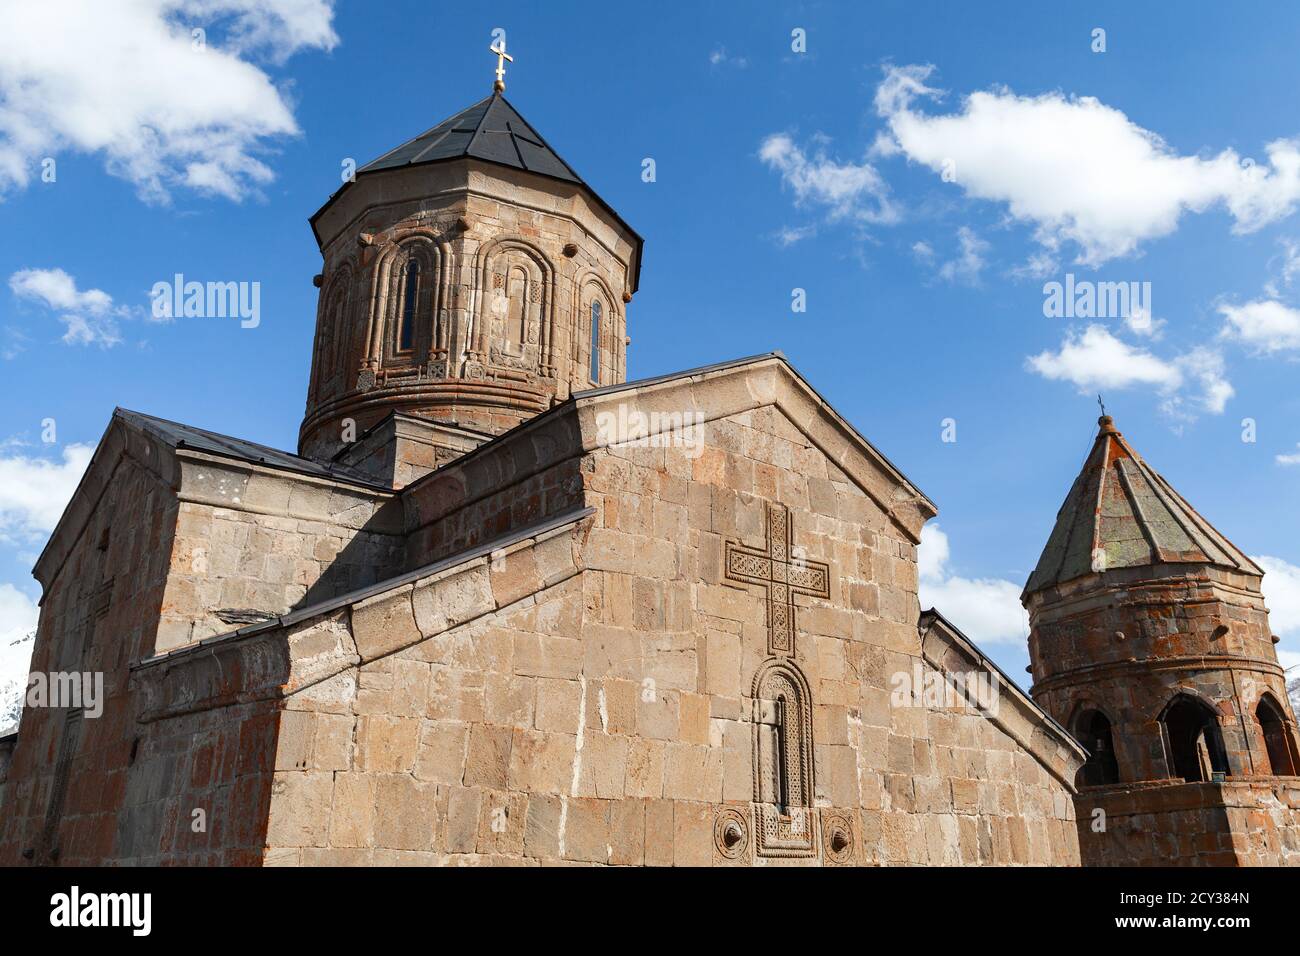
[(1092, 729), (1193, 741)]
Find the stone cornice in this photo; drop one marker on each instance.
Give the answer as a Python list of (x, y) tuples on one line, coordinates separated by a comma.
[(1147, 665)]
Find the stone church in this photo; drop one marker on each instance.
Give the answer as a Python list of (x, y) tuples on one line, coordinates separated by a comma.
[(506, 607)]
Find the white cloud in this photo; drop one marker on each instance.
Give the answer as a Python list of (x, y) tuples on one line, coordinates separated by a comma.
[(34, 491), (789, 235), (1141, 322), (1039, 265), (1264, 325), (1095, 360), (89, 317), (1288, 269), (933, 553), (987, 610), (129, 85), (969, 262), (1077, 170), (847, 190), (923, 251), (1282, 595), (720, 57), (1205, 366), (18, 617), (1287, 460)]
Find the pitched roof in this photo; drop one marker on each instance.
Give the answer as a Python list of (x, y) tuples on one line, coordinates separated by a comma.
[(178, 435), (895, 494), (490, 130), (1126, 514)]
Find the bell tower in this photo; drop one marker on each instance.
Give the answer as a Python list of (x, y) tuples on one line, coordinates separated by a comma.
[(1149, 641), (471, 280)]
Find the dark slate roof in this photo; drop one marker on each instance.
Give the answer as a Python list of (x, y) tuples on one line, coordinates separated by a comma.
[(199, 439), (490, 130), (1127, 515)]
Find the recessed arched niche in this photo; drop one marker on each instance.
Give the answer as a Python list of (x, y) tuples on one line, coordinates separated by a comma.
[(783, 762), (512, 327), (404, 331), (335, 326)]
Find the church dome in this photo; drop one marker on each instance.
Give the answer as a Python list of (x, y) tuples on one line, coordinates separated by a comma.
[(471, 280)]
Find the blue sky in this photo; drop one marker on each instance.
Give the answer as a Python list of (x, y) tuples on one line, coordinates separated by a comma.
[(921, 170)]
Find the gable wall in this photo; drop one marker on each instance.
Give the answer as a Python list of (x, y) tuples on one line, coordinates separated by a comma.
[(608, 718), (139, 510), (257, 539)]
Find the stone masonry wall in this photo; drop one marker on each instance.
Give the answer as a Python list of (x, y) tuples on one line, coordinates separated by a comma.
[(528, 476), (254, 539), (588, 698), (1127, 642), (1251, 822), (99, 612)]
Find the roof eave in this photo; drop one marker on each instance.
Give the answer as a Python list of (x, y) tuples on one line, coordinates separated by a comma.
[(637, 241)]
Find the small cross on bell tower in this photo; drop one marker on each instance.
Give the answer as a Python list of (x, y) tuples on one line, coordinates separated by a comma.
[(502, 56)]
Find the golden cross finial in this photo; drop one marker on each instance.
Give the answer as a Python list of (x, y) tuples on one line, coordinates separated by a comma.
[(500, 51)]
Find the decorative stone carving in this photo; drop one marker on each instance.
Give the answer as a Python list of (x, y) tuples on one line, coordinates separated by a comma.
[(781, 573), (499, 356), (731, 834), (838, 842), (366, 379), (784, 821)]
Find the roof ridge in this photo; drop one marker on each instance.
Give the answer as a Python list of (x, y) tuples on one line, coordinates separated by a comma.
[(449, 120), (478, 129), (1138, 519), (174, 434)]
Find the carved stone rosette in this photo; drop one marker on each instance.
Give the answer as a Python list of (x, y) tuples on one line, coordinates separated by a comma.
[(731, 835), (838, 841)]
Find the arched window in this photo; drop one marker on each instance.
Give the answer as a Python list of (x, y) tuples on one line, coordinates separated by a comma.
[(1092, 729), (517, 290), (410, 297), (1193, 742), (595, 341), (1278, 740), (783, 770)]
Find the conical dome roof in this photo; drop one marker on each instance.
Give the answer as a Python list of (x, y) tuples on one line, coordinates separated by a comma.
[(490, 130), (1120, 513)]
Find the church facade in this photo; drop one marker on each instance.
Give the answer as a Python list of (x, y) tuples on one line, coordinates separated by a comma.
[(504, 606)]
